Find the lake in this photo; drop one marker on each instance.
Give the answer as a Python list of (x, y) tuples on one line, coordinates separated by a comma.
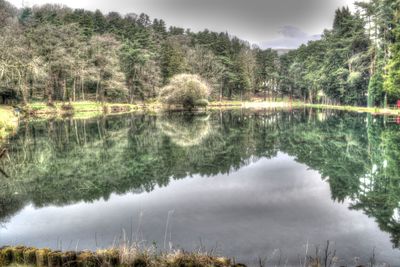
[(249, 184)]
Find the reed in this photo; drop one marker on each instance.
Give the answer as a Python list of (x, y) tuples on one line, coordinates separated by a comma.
[(124, 256)]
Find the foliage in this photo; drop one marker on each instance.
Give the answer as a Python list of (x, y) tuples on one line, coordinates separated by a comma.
[(392, 81), (187, 90), (57, 53)]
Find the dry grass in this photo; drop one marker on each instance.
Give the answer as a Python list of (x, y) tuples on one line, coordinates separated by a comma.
[(8, 121), (132, 255)]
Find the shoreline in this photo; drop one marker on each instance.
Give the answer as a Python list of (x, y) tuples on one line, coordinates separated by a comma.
[(371, 110), (87, 109), (40, 109)]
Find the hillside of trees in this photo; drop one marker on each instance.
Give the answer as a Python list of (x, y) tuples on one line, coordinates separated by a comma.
[(55, 53)]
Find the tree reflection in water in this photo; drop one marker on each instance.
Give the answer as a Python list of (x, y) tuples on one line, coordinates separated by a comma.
[(60, 162)]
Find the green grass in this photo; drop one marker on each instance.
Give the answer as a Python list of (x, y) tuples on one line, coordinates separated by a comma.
[(61, 108), (43, 108), (373, 110), (225, 103), (89, 109)]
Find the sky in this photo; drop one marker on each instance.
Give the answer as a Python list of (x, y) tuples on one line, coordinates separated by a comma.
[(267, 23)]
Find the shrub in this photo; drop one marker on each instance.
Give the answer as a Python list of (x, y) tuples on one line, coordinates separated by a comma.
[(187, 90)]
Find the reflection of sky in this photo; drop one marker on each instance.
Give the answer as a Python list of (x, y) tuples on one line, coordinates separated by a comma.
[(268, 205)]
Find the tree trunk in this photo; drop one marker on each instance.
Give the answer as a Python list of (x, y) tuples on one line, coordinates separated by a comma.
[(385, 101), (82, 88), (97, 89), (220, 92), (49, 90), (24, 94), (74, 90), (265, 94), (64, 89)]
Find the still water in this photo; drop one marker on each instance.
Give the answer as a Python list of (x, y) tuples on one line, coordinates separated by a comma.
[(246, 184)]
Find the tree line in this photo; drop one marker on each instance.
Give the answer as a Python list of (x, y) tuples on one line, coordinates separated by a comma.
[(55, 53), (355, 63)]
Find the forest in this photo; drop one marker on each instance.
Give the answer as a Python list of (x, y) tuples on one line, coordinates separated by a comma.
[(55, 53)]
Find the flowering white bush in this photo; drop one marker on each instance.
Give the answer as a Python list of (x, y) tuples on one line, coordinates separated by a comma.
[(187, 90)]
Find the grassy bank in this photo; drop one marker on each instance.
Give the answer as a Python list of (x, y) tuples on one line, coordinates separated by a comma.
[(59, 108), (41, 109), (8, 121), (373, 110), (132, 256), (88, 109), (284, 103)]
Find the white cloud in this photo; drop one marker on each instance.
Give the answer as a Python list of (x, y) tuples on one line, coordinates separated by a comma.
[(291, 37)]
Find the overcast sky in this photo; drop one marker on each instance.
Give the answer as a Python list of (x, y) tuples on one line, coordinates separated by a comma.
[(268, 23)]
